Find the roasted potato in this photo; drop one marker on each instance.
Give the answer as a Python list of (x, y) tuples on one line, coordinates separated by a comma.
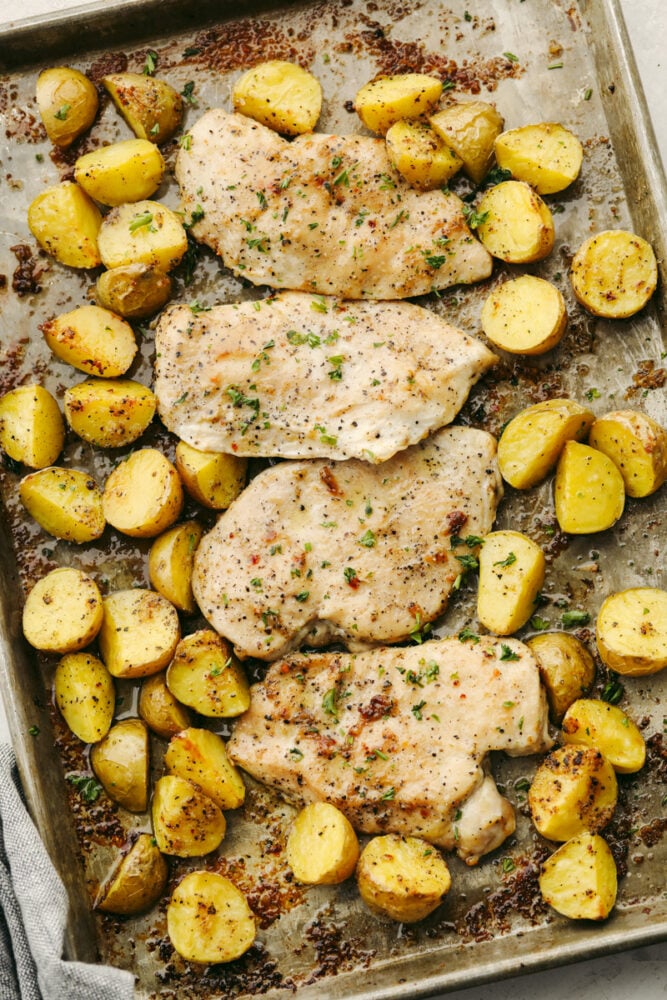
[(579, 880), (139, 633), (133, 290), (470, 128), (65, 222), (589, 491), (121, 763), (161, 712), (67, 102), (32, 430), (280, 95), (65, 502), (186, 823), (143, 495), (511, 575), (404, 878), (109, 413), (170, 564), (63, 611), (200, 756), (547, 156), (637, 444), (209, 920), (516, 225), (150, 106), (85, 694), (322, 847), (525, 315), (205, 675), (614, 274), (213, 479), (574, 790), (598, 724), (144, 232), (136, 881), (566, 667), (420, 155), (631, 631), (93, 340), (531, 443), (388, 99), (123, 171)]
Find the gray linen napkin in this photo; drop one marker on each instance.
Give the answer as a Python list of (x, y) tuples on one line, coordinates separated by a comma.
[(33, 911)]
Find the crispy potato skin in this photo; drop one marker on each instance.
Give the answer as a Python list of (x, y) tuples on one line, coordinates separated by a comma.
[(67, 102), (579, 880), (511, 574), (134, 291), (631, 631), (574, 791), (281, 95), (322, 847), (470, 128), (186, 823), (32, 430), (533, 440), (93, 340), (518, 226), (150, 106), (121, 762), (208, 919), (66, 503), (85, 695), (139, 633), (614, 274), (637, 444), (547, 155), (66, 222), (606, 727), (566, 668), (525, 315), (420, 155), (388, 99), (589, 491), (404, 878), (136, 881), (109, 413), (200, 756)]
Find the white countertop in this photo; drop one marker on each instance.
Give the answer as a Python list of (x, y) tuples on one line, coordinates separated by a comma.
[(642, 972)]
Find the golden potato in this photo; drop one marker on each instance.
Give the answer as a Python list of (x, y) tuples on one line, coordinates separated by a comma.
[(139, 633), (144, 232), (547, 155), (525, 315), (200, 756), (579, 880), (517, 226), (566, 667), (186, 823), (614, 274), (109, 413), (388, 99), (209, 920), (65, 222), (404, 878), (123, 171), (532, 442), (511, 575), (85, 695), (598, 724), (589, 491), (574, 790), (170, 564), (65, 502), (280, 95), (63, 611), (420, 155), (150, 106), (121, 763), (133, 290), (470, 128), (32, 430), (93, 340), (212, 478), (205, 675), (143, 495), (322, 847), (67, 102), (637, 444), (161, 712), (136, 881), (631, 631)]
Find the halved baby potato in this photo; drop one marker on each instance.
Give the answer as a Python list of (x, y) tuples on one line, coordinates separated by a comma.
[(213, 479), (122, 171), (589, 491), (547, 155), (109, 413), (121, 763), (606, 727), (200, 756), (150, 106), (533, 440), (631, 631), (66, 222), (566, 668), (67, 102), (511, 575), (92, 339), (420, 155), (161, 712), (143, 495), (205, 675), (574, 791), (170, 564), (133, 290), (136, 881), (470, 128), (139, 633), (516, 225), (186, 823), (322, 847), (32, 430), (579, 880), (525, 315), (209, 920), (144, 232), (65, 502), (281, 95), (637, 444), (614, 274), (85, 694), (388, 99), (404, 878), (63, 611)]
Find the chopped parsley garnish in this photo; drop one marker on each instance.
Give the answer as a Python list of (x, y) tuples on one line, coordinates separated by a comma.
[(511, 558), (508, 865), (151, 62), (329, 703), (417, 710), (139, 221), (336, 372), (88, 787), (389, 794), (350, 575), (261, 198), (62, 112), (188, 94), (573, 618), (467, 634), (538, 623), (469, 561), (367, 539), (196, 307), (612, 692), (473, 217), (435, 261), (295, 753), (511, 57), (507, 653), (303, 596)]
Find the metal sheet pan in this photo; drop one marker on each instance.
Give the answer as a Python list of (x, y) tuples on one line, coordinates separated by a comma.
[(492, 924)]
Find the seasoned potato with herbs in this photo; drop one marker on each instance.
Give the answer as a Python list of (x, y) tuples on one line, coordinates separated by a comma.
[(66, 222), (144, 232), (186, 823), (211, 478), (143, 495), (85, 695), (136, 881), (200, 756), (637, 444), (170, 564), (589, 491), (139, 633), (566, 667), (598, 724), (511, 575), (547, 156), (150, 106), (205, 675), (574, 790), (161, 712), (123, 171), (209, 920), (92, 339), (531, 443), (470, 128), (631, 631), (67, 102), (404, 878), (109, 413), (63, 611), (388, 99), (322, 847), (614, 274), (579, 880), (32, 430), (133, 290), (516, 225), (525, 315), (65, 502), (420, 155), (280, 95), (121, 763)]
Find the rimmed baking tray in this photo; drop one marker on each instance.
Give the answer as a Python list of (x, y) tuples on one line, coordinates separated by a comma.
[(543, 60)]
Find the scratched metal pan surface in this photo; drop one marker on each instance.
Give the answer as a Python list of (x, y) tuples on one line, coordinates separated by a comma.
[(543, 60)]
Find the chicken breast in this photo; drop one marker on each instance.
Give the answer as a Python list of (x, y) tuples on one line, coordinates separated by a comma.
[(315, 551), (299, 377), (397, 739), (323, 213)]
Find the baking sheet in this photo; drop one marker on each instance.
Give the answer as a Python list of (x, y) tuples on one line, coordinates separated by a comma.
[(492, 924)]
